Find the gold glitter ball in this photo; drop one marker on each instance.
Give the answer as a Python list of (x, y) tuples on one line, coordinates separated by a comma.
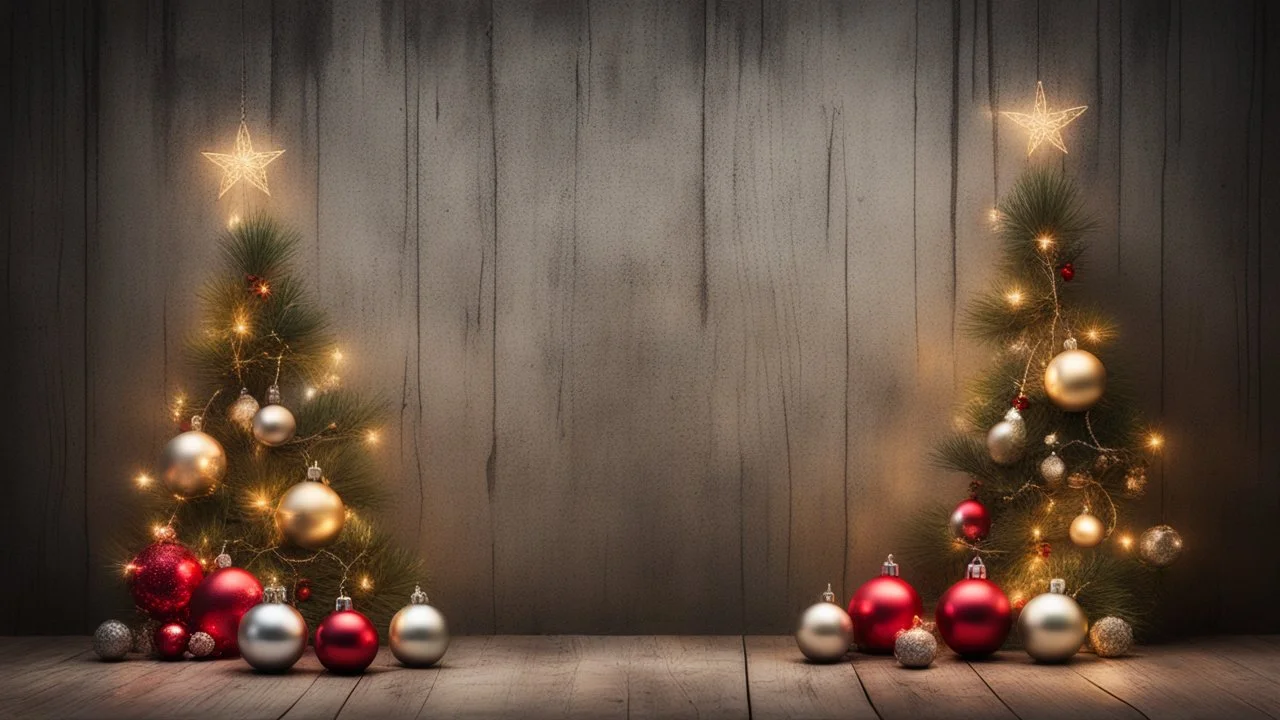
[(1111, 637)]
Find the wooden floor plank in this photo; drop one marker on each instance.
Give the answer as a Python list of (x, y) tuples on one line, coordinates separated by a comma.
[(1180, 682), (1048, 691), (391, 690), (685, 677), (1254, 652), (326, 694), (947, 689), (785, 685), (20, 656)]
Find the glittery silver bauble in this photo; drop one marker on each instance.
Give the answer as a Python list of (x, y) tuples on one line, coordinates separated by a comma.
[(144, 637), (194, 462), (1111, 637), (1052, 625), (1052, 469), (1074, 379), (272, 634), (200, 644), (825, 630), (311, 514), (1086, 530), (418, 634), (916, 647), (112, 640), (241, 412), (1008, 438), (1160, 546)]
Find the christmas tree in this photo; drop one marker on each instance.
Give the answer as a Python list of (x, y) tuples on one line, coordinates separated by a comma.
[(1054, 448), (292, 492)]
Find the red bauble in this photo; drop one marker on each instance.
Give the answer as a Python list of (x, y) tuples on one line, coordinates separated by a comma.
[(302, 591), (973, 615), (218, 604), (1068, 271), (162, 578), (1022, 402), (170, 641), (881, 608), (971, 521), (346, 641)]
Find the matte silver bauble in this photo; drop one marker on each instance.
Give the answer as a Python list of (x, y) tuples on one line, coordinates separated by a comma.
[(825, 630), (1053, 469), (1075, 379), (1111, 637), (418, 634), (1160, 546), (272, 634), (194, 462), (1008, 438), (112, 640), (311, 513), (274, 425), (241, 412), (1052, 625)]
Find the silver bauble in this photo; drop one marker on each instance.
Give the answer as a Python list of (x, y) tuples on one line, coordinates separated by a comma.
[(144, 637), (194, 462), (1160, 546), (241, 412), (112, 640), (311, 513), (418, 634), (915, 647), (1074, 379), (272, 634), (1086, 530), (1053, 469), (1008, 438), (825, 630), (1052, 625), (200, 644), (274, 425), (1111, 637)]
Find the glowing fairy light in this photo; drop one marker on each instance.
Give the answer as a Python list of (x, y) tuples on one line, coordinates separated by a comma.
[(1155, 441), (1126, 541), (1045, 242), (372, 437), (366, 583), (309, 393), (142, 480), (337, 355), (1013, 297), (233, 222)]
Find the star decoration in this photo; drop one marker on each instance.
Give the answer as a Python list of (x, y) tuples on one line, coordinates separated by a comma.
[(1044, 125), (244, 163)]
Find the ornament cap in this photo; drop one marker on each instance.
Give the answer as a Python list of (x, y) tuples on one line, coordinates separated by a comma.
[(889, 567), (197, 423), (1014, 415), (244, 391), (1058, 586), (976, 570), (343, 603), (273, 395), (418, 597), (273, 594), (1069, 344), (828, 595), (314, 473), (223, 560)]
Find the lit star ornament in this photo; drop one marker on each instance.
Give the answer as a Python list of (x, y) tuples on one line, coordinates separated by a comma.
[(244, 163), (1044, 125)]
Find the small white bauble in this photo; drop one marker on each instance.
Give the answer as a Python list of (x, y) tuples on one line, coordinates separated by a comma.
[(272, 634), (825, 630), (274, 424), (418, 634), (1008, 438)]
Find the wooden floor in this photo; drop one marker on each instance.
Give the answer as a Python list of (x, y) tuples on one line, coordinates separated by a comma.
[(651, 677)]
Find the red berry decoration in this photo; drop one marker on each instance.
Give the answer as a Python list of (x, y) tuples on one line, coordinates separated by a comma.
[(1022, 402), (162, 577), (1044, 549), (883, 607), (220, 601), (346, 641), (973, 615), (171, 641), (1068, 271), (970, 521), (302, 591)]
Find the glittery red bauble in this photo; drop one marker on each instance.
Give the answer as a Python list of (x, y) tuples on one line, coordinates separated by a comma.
[(346, 642), (171, 641), (880, 608), (218, 604), (1022, 402), (162, 578), (973, 617), (1068, 271), (970, 521)]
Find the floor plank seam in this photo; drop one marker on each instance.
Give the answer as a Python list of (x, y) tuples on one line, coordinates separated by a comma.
[(746, 673), (1251, 670), (1126, 702), (865, 692), (299, 698), (993, 690), (347, 699)]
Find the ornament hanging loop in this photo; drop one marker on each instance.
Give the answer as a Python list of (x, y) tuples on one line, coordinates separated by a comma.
[(889, 567), (1058, 586), (976, 570), (828, 595)]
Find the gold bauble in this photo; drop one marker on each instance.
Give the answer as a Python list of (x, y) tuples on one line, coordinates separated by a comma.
[(1074, 379), (241, 412), (311, 514), (194, 463), (274, 425), (1111, 637), (1086, 530), (1052, 625), (1160, 546)]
